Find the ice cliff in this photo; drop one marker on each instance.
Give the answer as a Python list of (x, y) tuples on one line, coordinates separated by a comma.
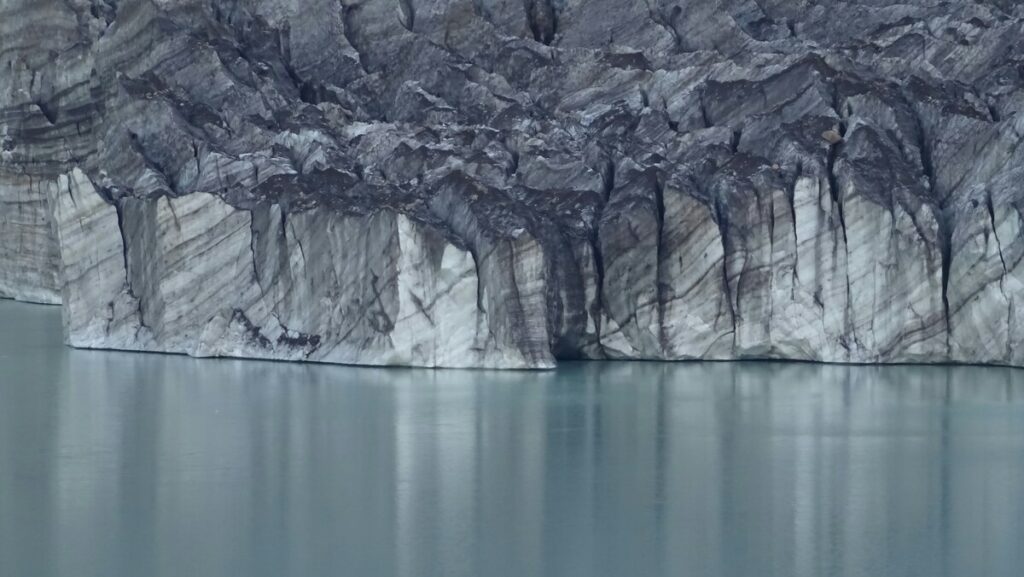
[(506, 183)]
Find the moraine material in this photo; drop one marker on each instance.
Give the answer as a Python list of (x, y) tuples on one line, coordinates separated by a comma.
[(498, 183)]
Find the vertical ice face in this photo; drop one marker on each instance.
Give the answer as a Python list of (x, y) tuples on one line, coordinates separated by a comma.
[(503, 184)]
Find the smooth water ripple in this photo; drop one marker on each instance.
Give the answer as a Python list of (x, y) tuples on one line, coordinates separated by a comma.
[(117, 464)]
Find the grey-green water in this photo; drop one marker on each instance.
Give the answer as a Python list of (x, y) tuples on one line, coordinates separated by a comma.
[(115, 464)]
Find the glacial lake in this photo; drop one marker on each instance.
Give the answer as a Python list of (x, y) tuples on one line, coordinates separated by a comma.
[(117, 464)]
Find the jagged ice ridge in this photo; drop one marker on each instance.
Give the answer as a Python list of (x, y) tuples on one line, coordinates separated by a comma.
[(506, 183)]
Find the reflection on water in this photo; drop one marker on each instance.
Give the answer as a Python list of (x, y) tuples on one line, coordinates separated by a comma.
[(147, 465)]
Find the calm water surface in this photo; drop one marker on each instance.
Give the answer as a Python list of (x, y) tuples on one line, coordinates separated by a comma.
[(116, 464)]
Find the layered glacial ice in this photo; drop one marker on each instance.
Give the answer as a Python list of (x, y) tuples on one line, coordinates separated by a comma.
[(506, 183)]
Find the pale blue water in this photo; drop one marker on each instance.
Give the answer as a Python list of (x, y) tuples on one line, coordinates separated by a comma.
[(115, 464)]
